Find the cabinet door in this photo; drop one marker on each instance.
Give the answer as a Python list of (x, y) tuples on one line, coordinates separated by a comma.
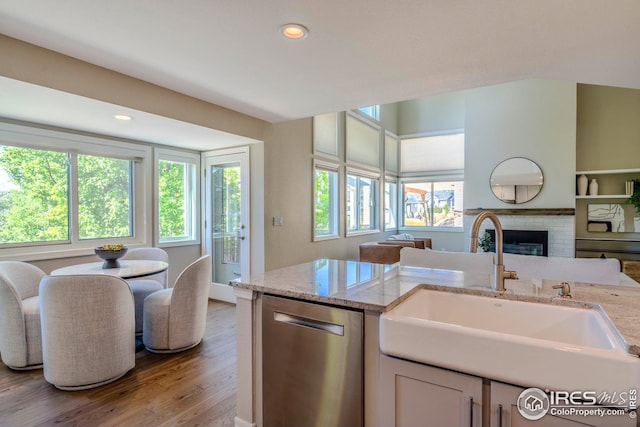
[(504, 401), (413, 395)]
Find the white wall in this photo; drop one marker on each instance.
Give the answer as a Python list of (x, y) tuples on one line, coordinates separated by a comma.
[(535, 119), (432, 114)]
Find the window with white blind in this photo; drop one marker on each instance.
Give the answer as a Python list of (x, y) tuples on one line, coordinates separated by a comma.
[(432, 184)]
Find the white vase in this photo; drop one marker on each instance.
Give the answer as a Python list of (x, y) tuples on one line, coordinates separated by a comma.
[(593, 187), (583, 183)]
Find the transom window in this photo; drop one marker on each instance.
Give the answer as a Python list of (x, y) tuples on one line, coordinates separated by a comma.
[(372, 111)]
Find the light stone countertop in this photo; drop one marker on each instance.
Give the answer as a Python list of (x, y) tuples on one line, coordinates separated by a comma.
[(379, 287)]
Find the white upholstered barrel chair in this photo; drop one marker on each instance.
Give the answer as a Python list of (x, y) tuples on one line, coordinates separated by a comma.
[(142, 288), (175, 318), (152, 254), (20, 335), (88, 336)]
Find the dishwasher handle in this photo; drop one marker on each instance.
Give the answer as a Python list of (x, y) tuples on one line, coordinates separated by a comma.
[(308, 323)]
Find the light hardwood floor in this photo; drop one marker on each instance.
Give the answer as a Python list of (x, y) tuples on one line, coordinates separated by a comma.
[(194, 388)]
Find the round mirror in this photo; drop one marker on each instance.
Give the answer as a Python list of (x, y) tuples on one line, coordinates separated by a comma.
[(516, 180)]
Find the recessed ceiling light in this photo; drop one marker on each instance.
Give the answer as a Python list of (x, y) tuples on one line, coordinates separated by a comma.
[(123, 117), (294, 31)]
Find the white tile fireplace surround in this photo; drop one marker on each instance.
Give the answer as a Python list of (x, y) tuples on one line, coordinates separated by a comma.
[(561, 230)]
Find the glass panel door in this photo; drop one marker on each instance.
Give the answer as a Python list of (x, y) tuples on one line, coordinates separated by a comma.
[(227, 224), (227, 230)]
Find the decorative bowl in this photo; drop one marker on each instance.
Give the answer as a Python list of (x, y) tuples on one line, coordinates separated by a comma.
[(111, 256)]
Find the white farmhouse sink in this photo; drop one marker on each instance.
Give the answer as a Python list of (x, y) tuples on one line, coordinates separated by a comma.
[(527, 344)]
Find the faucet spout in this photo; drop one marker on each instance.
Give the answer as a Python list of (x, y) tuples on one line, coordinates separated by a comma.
[(500, 274)]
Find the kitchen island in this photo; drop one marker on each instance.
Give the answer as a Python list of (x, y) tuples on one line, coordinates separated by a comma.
[(375, 289)]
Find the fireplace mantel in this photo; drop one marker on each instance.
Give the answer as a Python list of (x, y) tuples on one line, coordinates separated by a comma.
[(543, 211)]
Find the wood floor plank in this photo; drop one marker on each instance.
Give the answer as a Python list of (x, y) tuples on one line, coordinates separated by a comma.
[(196, 387)]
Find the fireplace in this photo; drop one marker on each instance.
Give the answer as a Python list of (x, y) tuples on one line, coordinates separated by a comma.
[(523, 242)]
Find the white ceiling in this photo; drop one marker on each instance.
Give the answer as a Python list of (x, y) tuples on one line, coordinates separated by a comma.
[(37, 104), (359, 52)]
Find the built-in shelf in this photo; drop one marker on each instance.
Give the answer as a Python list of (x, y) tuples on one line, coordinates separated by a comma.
[(607, 171), (605, 196), (609, 183), (537, 211)]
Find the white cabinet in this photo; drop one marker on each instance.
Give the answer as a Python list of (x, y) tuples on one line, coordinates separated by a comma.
[(504, 413), (412, 394)]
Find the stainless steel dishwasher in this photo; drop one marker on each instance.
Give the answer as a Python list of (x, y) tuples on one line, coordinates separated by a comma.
[(312, 364)]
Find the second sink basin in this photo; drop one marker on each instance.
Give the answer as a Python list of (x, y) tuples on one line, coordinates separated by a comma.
[(523, 343)]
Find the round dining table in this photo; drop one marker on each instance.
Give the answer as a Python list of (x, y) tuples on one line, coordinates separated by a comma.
[(132, 269)]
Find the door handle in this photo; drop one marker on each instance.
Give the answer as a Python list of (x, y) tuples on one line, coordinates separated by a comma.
[(309, 323)]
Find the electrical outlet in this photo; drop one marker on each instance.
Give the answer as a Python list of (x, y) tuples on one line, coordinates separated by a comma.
[(277, 221)]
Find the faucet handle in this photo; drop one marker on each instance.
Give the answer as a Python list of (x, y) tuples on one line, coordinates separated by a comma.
[(564, 289), (512, 275)]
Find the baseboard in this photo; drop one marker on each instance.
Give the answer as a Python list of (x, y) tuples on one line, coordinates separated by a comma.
[(242, 423), (222, 292)]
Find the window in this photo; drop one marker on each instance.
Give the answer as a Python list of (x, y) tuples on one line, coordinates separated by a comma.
[(325, 135), (372, 111), (35, 199), (70, 192), (325, 201), (176, 181), (432, 204), (34, 195), (433, 171), (362, 193), (363, 142), (104, 197), (442, 152), (390, 205)]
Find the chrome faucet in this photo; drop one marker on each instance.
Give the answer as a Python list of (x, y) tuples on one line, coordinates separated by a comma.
[(500, 274)]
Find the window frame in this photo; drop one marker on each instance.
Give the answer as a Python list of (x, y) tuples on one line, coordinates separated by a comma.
[(76, 143), (193, 188), (375, 108), (393, 198), (334, 201), (375, 195)]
